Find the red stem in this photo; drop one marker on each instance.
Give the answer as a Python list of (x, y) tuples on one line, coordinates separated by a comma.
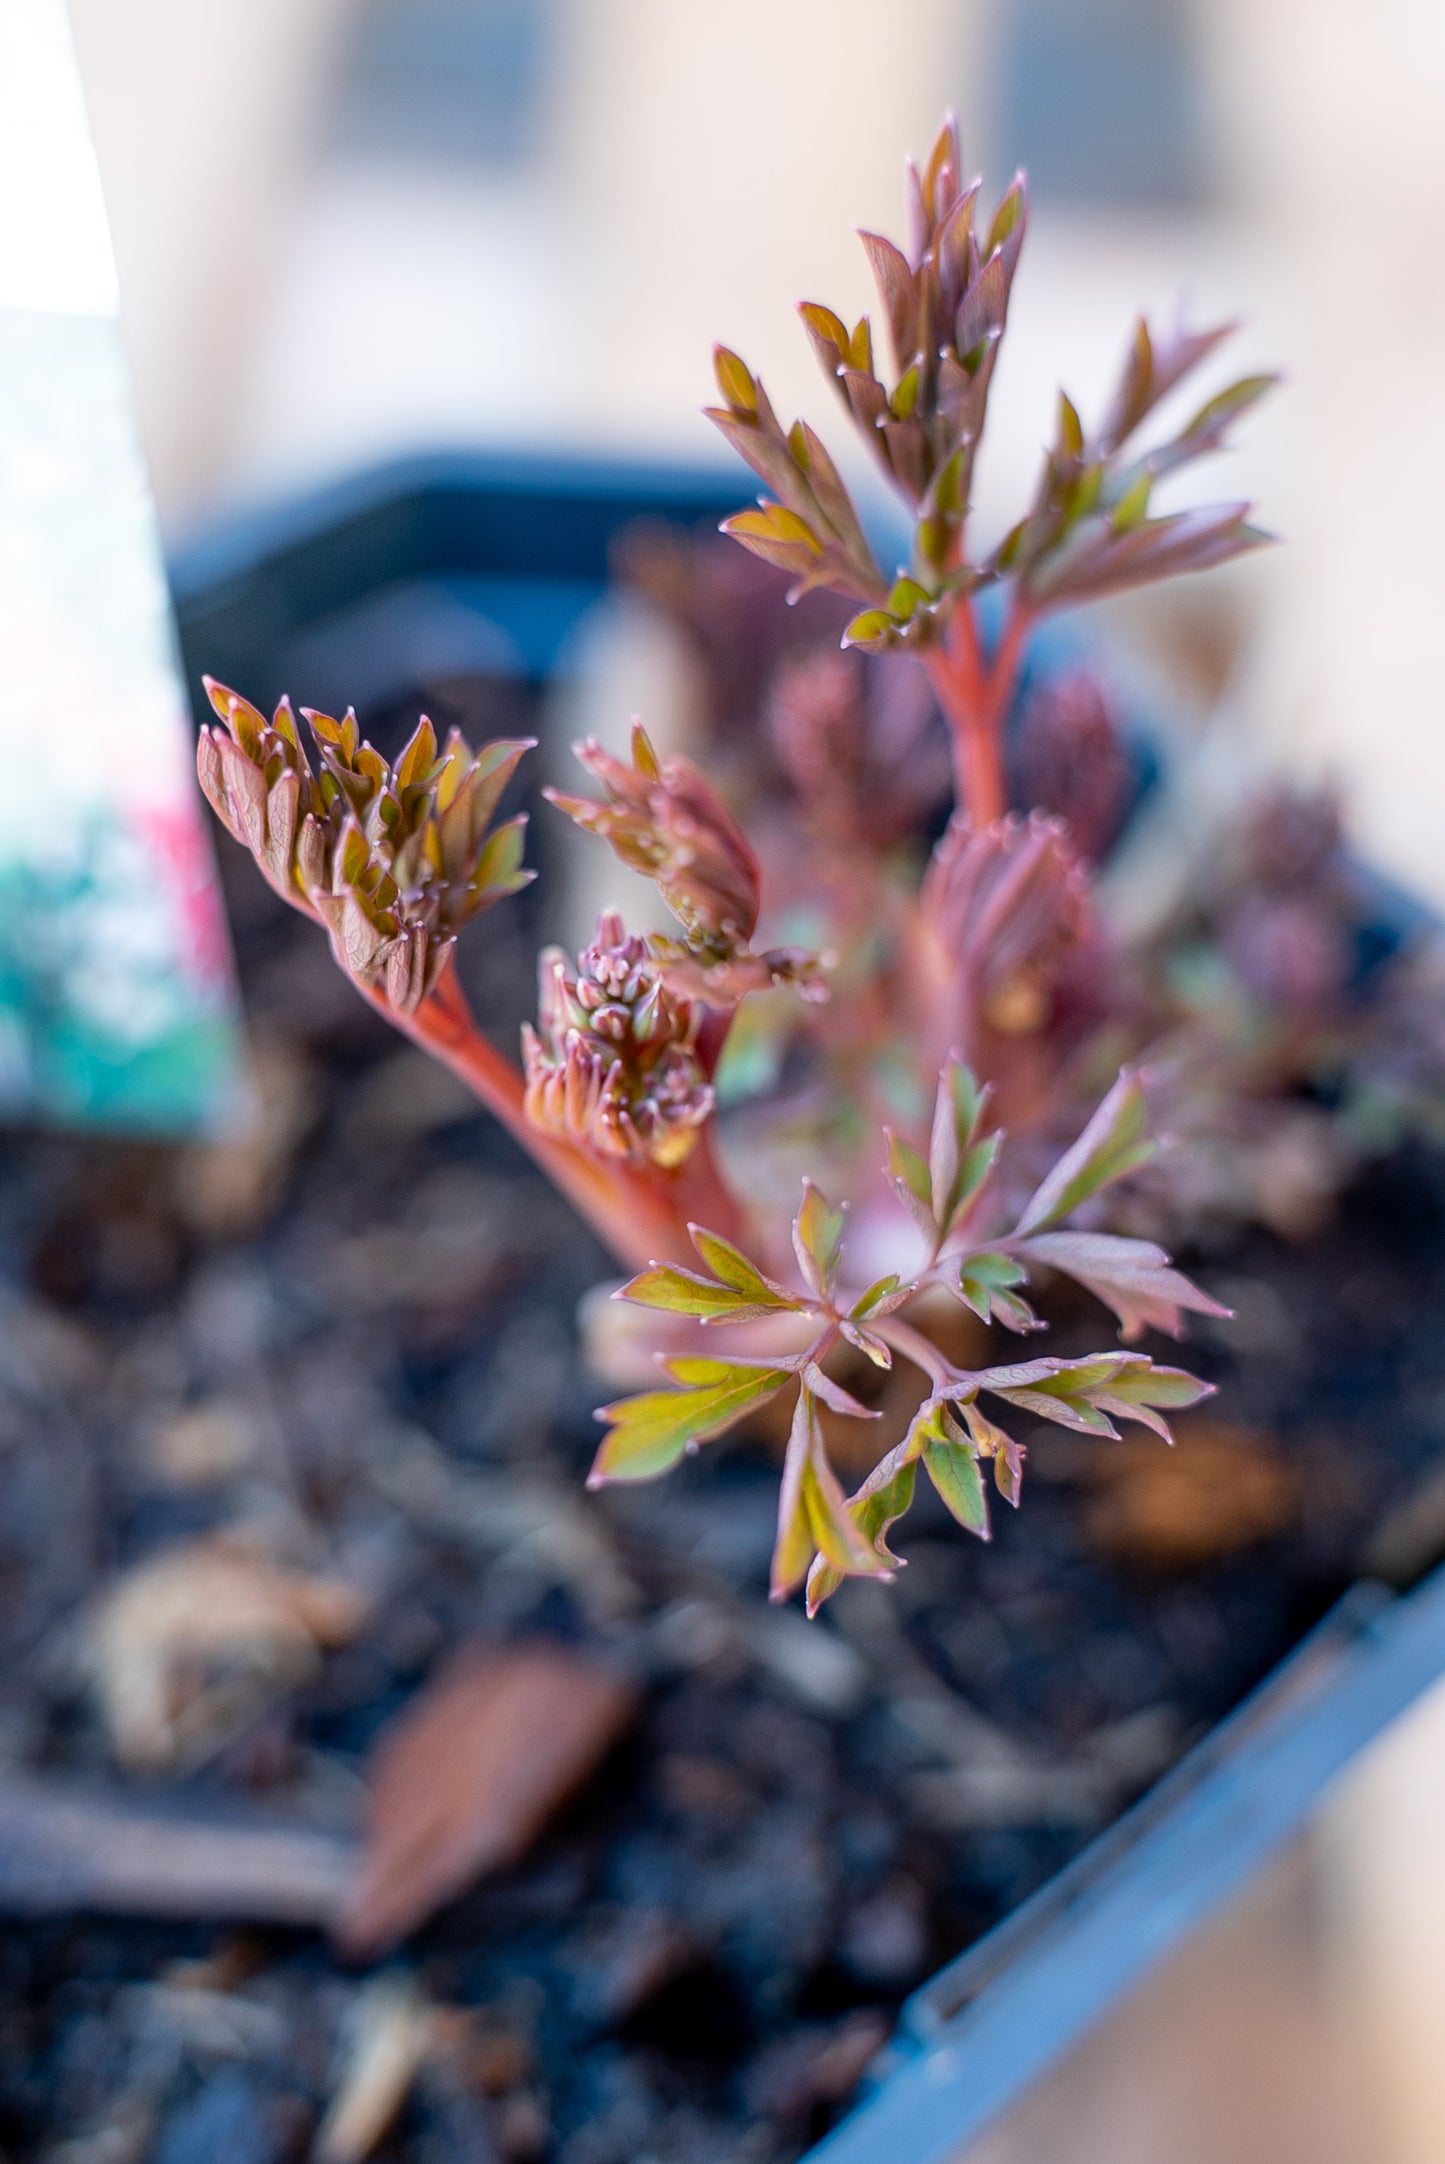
[(975, 696), (641, 1211)]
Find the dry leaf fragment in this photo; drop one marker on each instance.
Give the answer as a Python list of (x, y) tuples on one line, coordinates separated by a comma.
[(185, 1646), (390, 2038), (1218, 1490), (466, 1777)]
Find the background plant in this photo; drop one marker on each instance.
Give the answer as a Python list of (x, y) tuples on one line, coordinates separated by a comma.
[(944, 988)]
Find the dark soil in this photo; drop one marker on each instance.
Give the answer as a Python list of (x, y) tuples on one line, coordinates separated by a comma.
[(698, 1962)]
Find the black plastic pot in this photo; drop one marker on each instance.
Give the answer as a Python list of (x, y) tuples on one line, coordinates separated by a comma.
[(434, 566), (985, 2028)]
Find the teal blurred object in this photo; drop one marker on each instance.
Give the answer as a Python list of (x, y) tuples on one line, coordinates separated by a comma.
[(117, 997)]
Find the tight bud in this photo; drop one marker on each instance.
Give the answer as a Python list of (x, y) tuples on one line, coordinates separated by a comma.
[(611, 1062)]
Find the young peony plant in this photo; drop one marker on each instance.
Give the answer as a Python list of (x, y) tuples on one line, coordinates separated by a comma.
[(966, 978)]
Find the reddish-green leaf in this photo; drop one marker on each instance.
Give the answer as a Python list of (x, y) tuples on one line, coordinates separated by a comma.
[(682, 1292), (911, 1182), (1145, 1394), (1133, 1277), (1113, 1144), (881, 1298), (818, 1239), (986, 1283), (952, 1465), (652, 1431)]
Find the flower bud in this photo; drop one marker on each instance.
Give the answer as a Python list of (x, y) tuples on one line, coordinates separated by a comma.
[(611, 1064)]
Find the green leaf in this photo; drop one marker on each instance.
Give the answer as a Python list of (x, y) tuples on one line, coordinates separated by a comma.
[(1216, 414), (872, 630), (773, 522), (1146, 1394), (1007, 553), (681, 1292), (873, 1348), (818, 1239), (1132, 507), (838, 1539), (834, 1396), (1059, 1390), (1070, 428), (652, 1431), (1084, 1394), (1113, 1144), (993, 1442), (959, 1160), (985, 1284), (911, 1182), (500, 870), (881, 1501), (793, 1545), (732, 1266), (905, 396), (882, 1296), (1007, 218), (644, 758), (906, 597), (952, 1465), (825, 327), (813, 1514)]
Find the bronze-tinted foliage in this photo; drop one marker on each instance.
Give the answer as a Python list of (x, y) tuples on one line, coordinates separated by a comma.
[(393, 860), (945, 301), (822, 1535)]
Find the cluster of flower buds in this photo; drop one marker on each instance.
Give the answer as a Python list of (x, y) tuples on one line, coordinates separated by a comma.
[(664, 821), (1088, 530), (611, 1064), (946, 302), (393, 860), (1067, 756), (1009, 905), (862, 750)]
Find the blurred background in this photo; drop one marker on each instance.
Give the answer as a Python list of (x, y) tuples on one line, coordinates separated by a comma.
[(350, 228)]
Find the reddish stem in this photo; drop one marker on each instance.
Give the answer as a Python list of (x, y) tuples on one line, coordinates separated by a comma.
[(641, 1211), (975, 694)]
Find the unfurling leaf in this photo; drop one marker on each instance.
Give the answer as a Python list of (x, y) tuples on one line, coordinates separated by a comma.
[(1114, 1143), (651, 1432), (667, 822)]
